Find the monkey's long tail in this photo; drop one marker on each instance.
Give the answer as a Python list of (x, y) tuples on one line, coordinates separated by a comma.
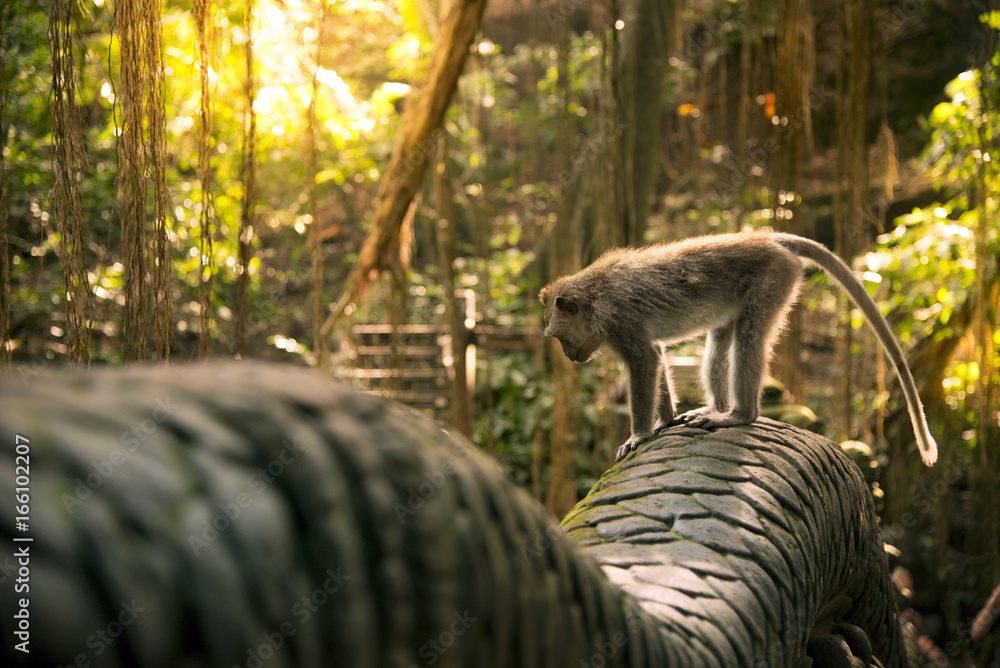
[(844, 277)]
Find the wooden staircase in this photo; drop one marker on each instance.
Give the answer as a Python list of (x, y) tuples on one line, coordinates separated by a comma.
[(405, 364), (413, 364)]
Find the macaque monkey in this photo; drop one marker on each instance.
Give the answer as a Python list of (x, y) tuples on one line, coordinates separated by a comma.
[(737, 288)]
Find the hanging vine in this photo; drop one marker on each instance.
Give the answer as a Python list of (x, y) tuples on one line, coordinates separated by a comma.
[(249, 187), (69, 163), (131, 179), (142, 159), (206, 216), (162, 318)]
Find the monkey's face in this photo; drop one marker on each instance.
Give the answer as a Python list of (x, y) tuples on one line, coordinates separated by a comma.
[(567, 321)]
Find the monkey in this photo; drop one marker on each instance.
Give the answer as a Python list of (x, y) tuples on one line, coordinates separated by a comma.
[(737, 288)]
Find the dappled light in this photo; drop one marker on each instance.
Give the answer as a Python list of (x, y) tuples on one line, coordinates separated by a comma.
[(380, 190)]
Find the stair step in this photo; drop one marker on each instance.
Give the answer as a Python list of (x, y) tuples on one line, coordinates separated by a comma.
[(402, 329), (406, 351), (369, 374)]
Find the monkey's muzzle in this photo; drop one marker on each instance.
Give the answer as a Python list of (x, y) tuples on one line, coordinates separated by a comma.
[(576, 354)]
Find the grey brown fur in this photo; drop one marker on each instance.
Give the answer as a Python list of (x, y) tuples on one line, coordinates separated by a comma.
[(737, 288)]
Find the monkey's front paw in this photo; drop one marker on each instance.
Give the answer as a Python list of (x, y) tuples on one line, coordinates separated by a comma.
[(709, 419), (628, 446)]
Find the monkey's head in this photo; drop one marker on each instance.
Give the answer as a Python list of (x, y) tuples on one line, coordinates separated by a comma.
[(568, 318)]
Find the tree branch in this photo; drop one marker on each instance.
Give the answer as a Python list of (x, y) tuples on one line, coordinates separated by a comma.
[(417, 142)]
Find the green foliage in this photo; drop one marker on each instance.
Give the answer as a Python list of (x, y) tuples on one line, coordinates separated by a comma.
[(508, 196), (948, 255), (522, 401), (927, 266), (357, 117), (502, 133), (963, 155), (962, 132)]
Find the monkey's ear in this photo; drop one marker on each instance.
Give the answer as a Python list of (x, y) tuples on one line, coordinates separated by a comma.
[(568, 305)]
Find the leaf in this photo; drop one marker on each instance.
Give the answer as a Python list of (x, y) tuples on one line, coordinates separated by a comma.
[(331, 174)]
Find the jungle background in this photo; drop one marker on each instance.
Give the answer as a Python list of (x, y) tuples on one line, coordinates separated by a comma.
[(196, 178)]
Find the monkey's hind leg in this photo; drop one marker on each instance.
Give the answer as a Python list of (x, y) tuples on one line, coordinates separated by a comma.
[(715, 373), (666, 408), (754, 331)]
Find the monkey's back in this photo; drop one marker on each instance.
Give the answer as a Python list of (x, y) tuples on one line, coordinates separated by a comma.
[(663, 286)]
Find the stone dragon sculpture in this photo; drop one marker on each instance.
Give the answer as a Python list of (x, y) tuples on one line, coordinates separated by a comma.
[(247, 514)]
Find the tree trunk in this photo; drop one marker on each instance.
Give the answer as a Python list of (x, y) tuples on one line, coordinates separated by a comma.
[(609, 212), (142, 152), (646, 44), (851, 193), (785, 179), (565, 259), (985, 335), (414, 147), (751, 85), (460, 400)]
